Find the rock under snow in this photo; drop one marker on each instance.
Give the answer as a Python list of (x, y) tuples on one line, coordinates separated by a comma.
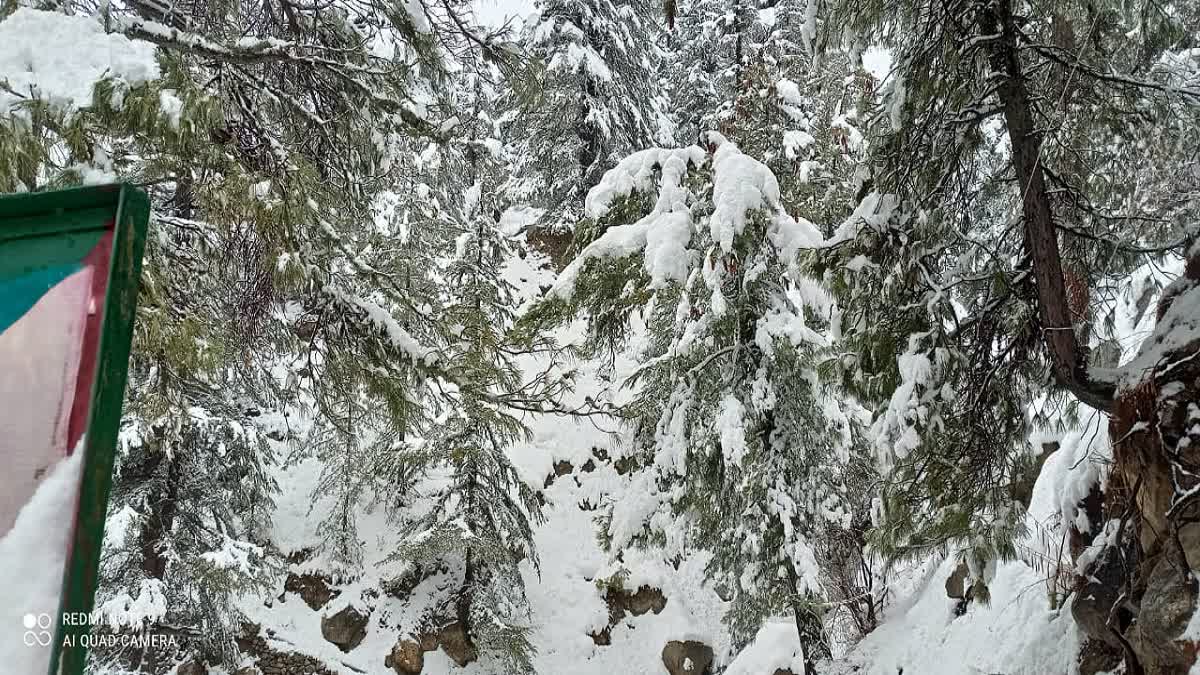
[(1158, 636), (191, 668), (776, 650), (687, 658), (346, 628), (313, 589), (454, 641), (406, 658)]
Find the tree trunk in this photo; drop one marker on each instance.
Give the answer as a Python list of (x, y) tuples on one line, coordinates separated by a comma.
[(161, 518), (1067, 357), (809, 629)]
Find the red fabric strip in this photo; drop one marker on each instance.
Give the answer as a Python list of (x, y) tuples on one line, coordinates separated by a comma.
[(98, 259)]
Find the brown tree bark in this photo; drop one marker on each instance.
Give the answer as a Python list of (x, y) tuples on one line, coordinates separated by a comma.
[(1067, 357)]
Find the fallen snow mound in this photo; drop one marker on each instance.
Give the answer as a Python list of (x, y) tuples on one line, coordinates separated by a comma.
[(775, 648)]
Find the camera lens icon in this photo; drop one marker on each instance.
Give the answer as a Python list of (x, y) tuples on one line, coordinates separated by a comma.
[(37, 630)]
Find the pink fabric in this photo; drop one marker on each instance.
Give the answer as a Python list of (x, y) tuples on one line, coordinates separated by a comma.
[(39, 365)]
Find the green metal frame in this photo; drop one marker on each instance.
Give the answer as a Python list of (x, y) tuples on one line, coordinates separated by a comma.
[(53, 226)]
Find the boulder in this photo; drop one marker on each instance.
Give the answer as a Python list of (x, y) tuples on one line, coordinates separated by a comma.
[(1093, 509), (406, 658), (192, 667), (301, 556), (554, 243), (407, 581), (956, 583), (602, 638), (1027, 472), (1164, 613), (248, 670), (621, 602), (313, 589), (644, 599), (1099, 589), (561, 468), (454, 641), (625, 465), (429, 641), (268, 661), (345, 628), (687, 658), (1138, 594), (1097, 656)]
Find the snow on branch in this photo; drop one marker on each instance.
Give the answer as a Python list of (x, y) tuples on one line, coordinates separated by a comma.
[(260, 50), (740, 186), (64, 70), (662, 235), (385, 322)]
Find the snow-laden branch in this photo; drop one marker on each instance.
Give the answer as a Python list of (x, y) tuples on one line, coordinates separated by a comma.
[(741, 185), (260, 50)]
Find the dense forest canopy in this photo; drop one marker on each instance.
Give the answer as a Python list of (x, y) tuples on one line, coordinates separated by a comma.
[(826, 292)]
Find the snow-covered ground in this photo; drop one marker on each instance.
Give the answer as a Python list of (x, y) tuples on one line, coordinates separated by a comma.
[(1015, 633)]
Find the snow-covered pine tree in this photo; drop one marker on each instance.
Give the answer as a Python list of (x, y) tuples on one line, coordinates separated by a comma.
[(744, 445), (1010, 207), (591, 100), (797, 113), (480, 522), (751, 74), (725, 55), (267, 143), (192, 492), (703, 63)]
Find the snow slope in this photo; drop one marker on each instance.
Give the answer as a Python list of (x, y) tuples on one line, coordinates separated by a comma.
[(1017, 632)]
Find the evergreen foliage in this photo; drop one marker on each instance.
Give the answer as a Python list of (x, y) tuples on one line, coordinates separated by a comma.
[(268, 289), (1008, 208), (480, 521), (592, 103), (745, 444), (851, 296)]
